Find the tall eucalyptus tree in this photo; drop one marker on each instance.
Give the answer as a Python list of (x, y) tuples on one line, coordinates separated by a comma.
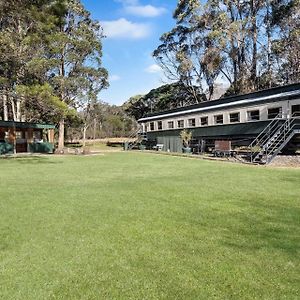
[(238, 41), (76, 51)]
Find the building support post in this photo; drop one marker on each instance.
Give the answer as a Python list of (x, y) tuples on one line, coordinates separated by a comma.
[(51, 135)]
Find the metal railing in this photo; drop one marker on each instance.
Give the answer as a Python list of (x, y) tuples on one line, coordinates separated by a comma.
[(272, 139)]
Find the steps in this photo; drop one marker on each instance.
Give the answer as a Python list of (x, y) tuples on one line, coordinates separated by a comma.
[(273, 139), (139, 136)]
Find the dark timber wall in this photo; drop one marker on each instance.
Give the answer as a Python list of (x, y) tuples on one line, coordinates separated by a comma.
[(171, 138)]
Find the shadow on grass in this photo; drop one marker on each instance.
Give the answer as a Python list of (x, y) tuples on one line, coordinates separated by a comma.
[(31, 159), (278, 233), (251, 231), (263, 238)]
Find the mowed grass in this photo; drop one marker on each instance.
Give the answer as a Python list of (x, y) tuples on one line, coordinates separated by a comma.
[(144, 226)]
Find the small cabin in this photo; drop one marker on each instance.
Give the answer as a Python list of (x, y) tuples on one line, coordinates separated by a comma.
[(24, 137)]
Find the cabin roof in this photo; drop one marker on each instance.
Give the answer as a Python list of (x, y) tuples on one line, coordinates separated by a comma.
[(25, 125), (287, 92)]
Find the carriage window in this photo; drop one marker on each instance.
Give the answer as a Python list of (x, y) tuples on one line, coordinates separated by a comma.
[(234, 117), (192, 122), (151, 126), (274, 112), (171, 125), (204, 121), (218, 119), (253, 115), (180, 124), (159, 125), (296, 110)]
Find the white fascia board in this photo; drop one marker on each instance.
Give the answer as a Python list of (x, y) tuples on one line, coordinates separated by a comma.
[(240, 102)]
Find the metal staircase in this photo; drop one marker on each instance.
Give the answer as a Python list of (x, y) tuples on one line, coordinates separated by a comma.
[(273, 138), (139, 136)]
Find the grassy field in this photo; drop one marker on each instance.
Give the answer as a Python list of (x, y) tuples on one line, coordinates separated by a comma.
[(144, 226)]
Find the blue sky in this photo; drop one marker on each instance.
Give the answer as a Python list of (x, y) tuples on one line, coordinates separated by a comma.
[(133, 29)]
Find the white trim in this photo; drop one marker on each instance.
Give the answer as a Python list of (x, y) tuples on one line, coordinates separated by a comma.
[(245, 101)]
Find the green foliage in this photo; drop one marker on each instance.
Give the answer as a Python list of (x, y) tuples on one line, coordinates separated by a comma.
[(186, 137), (162, 98), (100, 120), (50, 53), (40, 103), (250, 44)]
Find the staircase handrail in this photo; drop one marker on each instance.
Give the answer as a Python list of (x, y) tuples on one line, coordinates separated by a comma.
[(133, 134), (284, 131), (267, 129), (287, 127), (276, 149)]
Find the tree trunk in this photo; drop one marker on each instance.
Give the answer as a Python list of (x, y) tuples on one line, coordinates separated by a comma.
[(5, 108), (84, 135), (61, 135), (13, 108), (269, 45), (18, 112), (254, 43), (94, 130)]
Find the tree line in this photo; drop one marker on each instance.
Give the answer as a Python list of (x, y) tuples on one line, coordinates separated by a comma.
[(51, 60), (247, 44), (51, 65)]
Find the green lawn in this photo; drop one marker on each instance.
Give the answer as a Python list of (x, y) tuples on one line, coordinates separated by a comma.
[(144, 226)]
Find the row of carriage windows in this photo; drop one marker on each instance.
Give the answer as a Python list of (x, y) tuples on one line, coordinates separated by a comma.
[(252, 115)]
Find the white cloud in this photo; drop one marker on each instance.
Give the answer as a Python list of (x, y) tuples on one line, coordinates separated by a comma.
[(128, 2), (153, 69), (114, 78), (123, 28), (133, 7), (145, 11)]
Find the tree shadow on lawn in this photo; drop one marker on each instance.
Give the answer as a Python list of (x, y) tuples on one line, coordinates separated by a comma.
[(252, 233), (31, 160), (273, 228)]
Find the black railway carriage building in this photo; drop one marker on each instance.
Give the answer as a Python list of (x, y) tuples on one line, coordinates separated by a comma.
[(237, 118)]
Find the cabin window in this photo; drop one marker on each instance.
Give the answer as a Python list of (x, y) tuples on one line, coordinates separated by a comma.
[(204, 121), (151, 126), (19, 135), (159, 125), (37, 135), (234, 117), (218, 119), (274, 112), (192, 122), (170, 125), (180, 124), (253, 115)]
